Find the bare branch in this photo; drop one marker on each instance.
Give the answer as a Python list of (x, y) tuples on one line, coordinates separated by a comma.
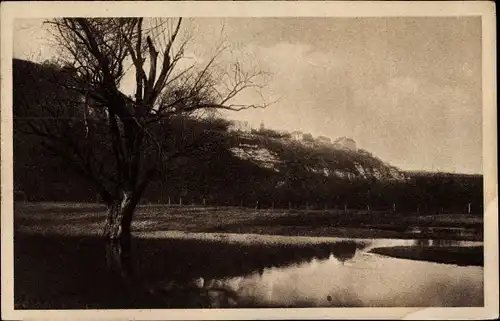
[(118, 137), (153, 59), (166, 66)]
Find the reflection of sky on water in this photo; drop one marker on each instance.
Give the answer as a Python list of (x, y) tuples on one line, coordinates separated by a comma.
[(365, 280)]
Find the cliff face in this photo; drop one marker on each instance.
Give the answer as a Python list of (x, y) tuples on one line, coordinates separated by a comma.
[(283, 155)]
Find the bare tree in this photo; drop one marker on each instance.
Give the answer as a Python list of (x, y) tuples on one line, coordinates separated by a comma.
[(117, 141)]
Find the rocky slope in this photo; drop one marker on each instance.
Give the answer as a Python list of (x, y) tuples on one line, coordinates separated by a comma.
[(282, 154)]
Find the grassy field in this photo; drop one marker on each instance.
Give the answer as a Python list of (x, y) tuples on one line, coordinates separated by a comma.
[(88, 219)]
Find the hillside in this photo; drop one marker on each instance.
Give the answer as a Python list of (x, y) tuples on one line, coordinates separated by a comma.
[(261, 168), (284, 155)]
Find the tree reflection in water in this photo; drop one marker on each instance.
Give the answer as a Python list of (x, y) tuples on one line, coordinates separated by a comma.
[(238, 279), (175, 294), (120, 266), (196, 294), (224, 292), (345, 252)]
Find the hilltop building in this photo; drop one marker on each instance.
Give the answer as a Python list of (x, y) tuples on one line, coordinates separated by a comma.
[(307, 138), (346, 143), (324, 140), (297, 135), (239, 125)]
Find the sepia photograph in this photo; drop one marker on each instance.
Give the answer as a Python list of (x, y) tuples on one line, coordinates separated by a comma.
[(269, 158)]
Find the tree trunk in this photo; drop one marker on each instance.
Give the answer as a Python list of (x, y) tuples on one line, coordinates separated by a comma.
[(119, 218)]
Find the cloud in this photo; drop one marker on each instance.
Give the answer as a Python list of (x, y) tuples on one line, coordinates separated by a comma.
[(295, 62), (418, 122)]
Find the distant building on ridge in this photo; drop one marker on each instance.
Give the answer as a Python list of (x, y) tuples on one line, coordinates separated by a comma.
[(346, 143), (297, 135), (239, 125), (324, 140), (307, 138)]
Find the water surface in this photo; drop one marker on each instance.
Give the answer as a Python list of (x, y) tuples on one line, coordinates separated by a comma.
[(80, 272)]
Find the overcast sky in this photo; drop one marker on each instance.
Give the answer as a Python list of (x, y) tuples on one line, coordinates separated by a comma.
[(406, 89)]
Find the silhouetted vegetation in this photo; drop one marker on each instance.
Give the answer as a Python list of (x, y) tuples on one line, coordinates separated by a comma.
[(314, 177), (115, 140)]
